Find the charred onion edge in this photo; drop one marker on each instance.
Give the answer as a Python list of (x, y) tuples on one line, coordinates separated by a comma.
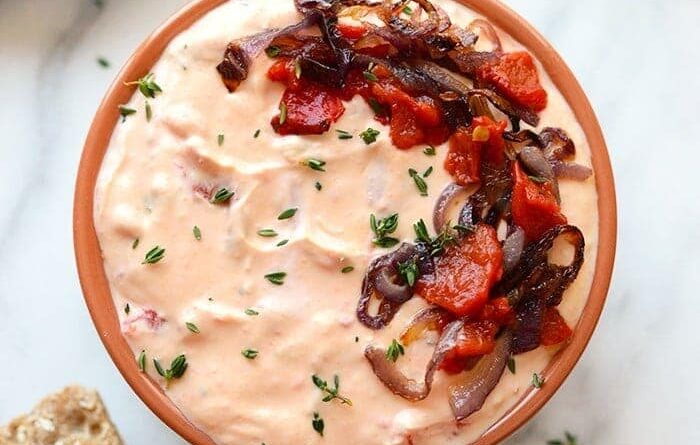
[(513, 247), (240, 53), (469, 396), (399, 384), (535, 256), (442, 203), (389, 304)]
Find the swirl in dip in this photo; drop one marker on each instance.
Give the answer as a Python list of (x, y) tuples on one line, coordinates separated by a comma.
[(237, 255)]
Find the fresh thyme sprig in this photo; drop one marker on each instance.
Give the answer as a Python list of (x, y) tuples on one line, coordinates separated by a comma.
[(147, 86), (394, 350), (382, 227), (330, 394), (177, 368)]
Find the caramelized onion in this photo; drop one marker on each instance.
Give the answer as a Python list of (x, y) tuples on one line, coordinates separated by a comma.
[(513, 248), (528, 331), (385, 284), (556, 144), (568, 170), (442, 204), (468, 397), (429, 319), (378, 282), (484, 28), (524, 114), (240, 53), (437, 20), (536, 163), (535, 274), (401, 385)]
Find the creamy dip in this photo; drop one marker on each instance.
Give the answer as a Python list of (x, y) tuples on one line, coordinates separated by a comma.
[(148, 191)]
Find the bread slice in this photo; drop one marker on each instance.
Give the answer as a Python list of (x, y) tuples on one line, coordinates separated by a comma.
[(73, 416)]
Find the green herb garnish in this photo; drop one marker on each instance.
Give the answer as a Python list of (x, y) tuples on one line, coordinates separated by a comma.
[(369, 75), (267, 233), (383, 227), (282, 243), (318, 186), (315, 164), (147, 86), (154, 255), (428, 172), (429, 151), (127, 309), (369, 135), (409, 272), (347, 269), (257, 133), (273, 51), (330, 394), (125, 111), (317, 424), (192, 327), (197, 232), (376, 106), (394, 350), (249, 353), (149, 112), (276, 278), (222, 196), (436, 245), (135, 244), (297, 69), (420, 182), (103, 62), (252, 312), (343, 135), (177, 368), (289, 213), (537, 380), (570, 439), (142, 361), (511, 365), (220, 139), (407, 10)]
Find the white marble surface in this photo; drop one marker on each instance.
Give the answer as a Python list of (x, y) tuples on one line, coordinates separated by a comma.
[(640, 64)]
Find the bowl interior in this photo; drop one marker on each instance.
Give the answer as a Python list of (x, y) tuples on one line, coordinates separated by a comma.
[(96, 287)]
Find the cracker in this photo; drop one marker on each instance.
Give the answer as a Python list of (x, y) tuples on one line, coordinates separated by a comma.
[(73, 416)]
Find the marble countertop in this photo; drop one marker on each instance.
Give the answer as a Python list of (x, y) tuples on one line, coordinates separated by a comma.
[(634, 58)]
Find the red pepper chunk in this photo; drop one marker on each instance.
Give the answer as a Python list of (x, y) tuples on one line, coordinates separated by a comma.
[(534, 206), (554, 328), (465, 273), (515, 76), (351, 31), (414, 120), (308, 109), (469, 147), (476, 339)]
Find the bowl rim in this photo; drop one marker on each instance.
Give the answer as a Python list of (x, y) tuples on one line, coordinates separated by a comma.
[(96, 289)]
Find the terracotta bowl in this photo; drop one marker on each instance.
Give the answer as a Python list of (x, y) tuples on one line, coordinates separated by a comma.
[(96, 289)]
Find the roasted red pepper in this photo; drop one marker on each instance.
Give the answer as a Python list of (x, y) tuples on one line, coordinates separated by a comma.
[(554, 328), (414, 120), (351, 31), (534, 206), (476, 339), (309, 109), (306, 107), (515, 76), (469, 147), (465, 273)]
